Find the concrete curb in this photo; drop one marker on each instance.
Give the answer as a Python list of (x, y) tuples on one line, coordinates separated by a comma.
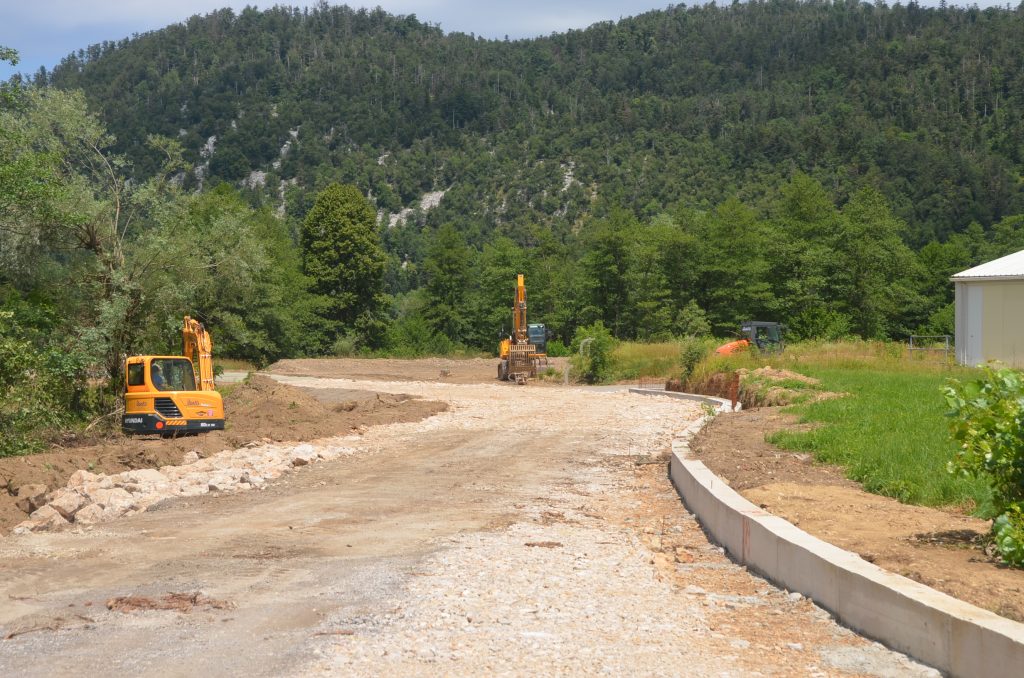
[(720, 404), (953, 636)]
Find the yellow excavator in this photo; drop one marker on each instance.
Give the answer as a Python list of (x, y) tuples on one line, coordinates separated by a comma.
[(525, 349), (161, 394)]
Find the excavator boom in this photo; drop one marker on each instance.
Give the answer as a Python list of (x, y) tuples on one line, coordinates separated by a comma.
[(196, 340), (519, 311)]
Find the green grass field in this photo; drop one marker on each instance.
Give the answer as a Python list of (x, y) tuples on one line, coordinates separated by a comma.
[(890, 430)]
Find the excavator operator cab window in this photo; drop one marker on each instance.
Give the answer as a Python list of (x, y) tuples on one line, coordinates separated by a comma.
[(136, 374), (767, 337), (538, 336), (761, 337), (176, 374)]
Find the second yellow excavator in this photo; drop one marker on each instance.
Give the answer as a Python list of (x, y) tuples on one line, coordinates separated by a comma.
[(521, 353), (161, 394)]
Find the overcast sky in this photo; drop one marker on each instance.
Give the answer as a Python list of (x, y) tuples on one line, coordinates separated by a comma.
[(45, 31)]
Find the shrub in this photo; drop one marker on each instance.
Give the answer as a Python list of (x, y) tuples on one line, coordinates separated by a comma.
[(692, 350), (986, 419), (42, 386), (556, 349), (412, 337), (593, 362), (345, 346)]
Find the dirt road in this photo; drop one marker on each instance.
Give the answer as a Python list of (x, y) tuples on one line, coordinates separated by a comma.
[(523, 531)]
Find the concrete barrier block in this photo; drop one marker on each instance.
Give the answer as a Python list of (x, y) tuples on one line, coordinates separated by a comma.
[(949, 634)]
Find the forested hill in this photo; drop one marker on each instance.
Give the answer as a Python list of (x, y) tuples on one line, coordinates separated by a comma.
[(682, 107), (332, 181)]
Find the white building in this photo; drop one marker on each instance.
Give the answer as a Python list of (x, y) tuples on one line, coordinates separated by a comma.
[(990, 312)]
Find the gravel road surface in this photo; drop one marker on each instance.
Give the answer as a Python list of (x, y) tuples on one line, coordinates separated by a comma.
[(525, 531)]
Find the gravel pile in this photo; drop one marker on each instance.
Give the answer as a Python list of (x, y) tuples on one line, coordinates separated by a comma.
[(92, 498)]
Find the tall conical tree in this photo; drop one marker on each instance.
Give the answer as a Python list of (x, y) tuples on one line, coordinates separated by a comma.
[(448, 284), (343, 256)]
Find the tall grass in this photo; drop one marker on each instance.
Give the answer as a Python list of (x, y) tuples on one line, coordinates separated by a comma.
[(886, 355), (234, 364), (631, 360)]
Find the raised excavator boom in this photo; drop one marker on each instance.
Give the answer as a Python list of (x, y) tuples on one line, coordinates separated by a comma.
[(196, 340), (523, 351)]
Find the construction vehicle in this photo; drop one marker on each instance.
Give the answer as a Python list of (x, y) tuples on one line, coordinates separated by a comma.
[(522, 352), (766, 336), (161, 394)]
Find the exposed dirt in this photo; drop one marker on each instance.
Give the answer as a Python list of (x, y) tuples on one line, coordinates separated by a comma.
[(259, 410), (469, 371), (942, 549), (763, 387), (774, 374), (521, 532), (446, 370), (176, 602)]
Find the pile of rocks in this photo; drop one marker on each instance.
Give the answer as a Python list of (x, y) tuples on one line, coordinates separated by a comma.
[(90, 498)]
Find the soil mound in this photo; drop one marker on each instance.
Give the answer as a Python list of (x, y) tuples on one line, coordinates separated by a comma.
[(769, 373), (762, 387), (258, 410)]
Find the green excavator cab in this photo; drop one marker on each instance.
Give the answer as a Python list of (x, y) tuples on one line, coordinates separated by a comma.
[(767, 336)]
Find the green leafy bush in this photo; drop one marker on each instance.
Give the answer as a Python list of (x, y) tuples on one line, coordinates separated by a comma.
[(593, 363), (1008, 531), (345, 346), (413, 337), (556, 349), (42, 386), (987, 419), (692, 350)]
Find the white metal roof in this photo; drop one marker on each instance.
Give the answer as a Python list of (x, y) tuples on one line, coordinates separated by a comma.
[(1010, 267)]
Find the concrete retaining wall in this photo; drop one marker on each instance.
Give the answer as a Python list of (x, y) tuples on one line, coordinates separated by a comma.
[(947, 633)]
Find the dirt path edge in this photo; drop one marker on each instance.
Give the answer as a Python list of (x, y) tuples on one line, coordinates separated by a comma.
[(937, 629)]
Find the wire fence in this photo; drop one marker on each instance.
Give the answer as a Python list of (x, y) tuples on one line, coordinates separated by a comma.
[(937, 347), (651, 382)]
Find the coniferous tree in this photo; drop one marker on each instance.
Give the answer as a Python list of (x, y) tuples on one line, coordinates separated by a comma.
[(343, 257), (447, 289)]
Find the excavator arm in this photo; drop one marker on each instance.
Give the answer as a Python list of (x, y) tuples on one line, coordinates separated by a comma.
[(519, 312), (198, 347)]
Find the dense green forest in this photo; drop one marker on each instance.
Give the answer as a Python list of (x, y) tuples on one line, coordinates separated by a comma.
[(687, 106), (332, 180)]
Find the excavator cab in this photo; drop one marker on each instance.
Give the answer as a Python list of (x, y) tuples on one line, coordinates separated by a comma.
[(767, 336), (161, 393), (538, 336)]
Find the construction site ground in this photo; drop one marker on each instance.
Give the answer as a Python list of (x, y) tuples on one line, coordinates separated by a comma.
[(944, 549), (261, 410), (517, 530)]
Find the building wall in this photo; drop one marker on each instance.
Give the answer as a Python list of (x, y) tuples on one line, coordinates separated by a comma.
[(990, 322)]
